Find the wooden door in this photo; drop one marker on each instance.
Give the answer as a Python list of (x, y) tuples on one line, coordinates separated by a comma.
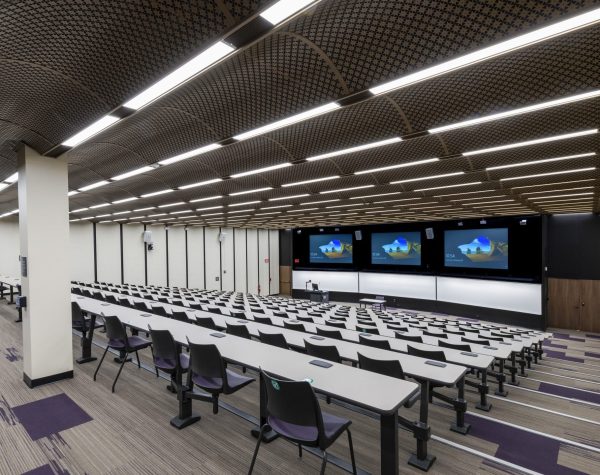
[(590, 305), (564, 309)]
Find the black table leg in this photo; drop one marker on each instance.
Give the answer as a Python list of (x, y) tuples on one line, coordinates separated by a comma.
[(185, 416), (483, 405), (1, 291), (86, 343), (268, 435), (12, 294), (513, 369), (501, 377), (389, 443), (460, 406), (422, 432)]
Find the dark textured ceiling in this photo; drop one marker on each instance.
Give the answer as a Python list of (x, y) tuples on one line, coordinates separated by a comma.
[(64, 64)]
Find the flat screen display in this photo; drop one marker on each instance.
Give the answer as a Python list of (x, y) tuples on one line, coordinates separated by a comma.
[(331, 248), (396, 249), (476, 248)]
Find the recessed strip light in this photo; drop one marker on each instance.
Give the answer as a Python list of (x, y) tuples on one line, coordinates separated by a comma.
[(193, 67), (556, 191), (545, 203), (289, 197), (212, 214), (156, 193), (181, 211), (257, 190), (125, 200), (200, 183), (531, 142), (131, 173), (121, 212), (553, 184), (72, 192), (489, 202), (79, 210), (309, 203), (190, 154), (341, 190), (11, 179), (98, 184), (262, 170), (519, 111), (101, 205), (314, 180), (358, 148), (275, 207), (578, 170), (427, 178), (378, 194), (244, 203), (498, 49), (300, 210), (241, 211), (90, 131), (451, 186), (288, 121), (474, 198), (144, 209), (270, 212), (210, 207), (284, 9), (401, 165), (208, 198), (541, 198), (545, 160), (168, 205)]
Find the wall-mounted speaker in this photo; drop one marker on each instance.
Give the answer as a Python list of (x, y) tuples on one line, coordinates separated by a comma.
[(222, 236), (429, 233), (147, 237), (358, 235)]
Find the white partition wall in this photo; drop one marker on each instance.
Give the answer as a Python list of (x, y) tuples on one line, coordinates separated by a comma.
[(240, 260), (398, 285), (108, 252), (81, 238), (177, 258), (157, 258), (195, 241), (274, 260), (9, 247), (333, 281), (227, 260), (212, 258), (263, 261), (134, 266), (252, 260)]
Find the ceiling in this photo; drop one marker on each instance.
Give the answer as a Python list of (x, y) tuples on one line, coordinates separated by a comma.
[(65, 64)]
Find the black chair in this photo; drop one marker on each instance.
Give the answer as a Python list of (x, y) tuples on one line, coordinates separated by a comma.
[(167, 357), (428, 354), (374, 342), (437, 335), (294, 413), (264, 320), (208, 371), (141, 306), (305, 319), (159, 310), (275, 339), (196, 306), (180, 316), (330, 333), (370, 330), (413, 338), (238, 330), (326, 352), (456, 346), (119, 340), (332, 323), (294, 326), (477, 342), (391, 368), (206, 322)]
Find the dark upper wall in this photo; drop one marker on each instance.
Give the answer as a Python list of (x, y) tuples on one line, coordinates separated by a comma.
[(574, 246), (285, 247)]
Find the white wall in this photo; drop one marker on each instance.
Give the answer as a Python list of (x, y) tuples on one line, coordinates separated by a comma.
[(227, 260), (196, 258), (157, 259), (108, 252), (398, 285), (9, 248), (81, 237), (212, 258), (134, 267), (252, 260), (274, 260), (263, 261), (177, 273), (240, 260)]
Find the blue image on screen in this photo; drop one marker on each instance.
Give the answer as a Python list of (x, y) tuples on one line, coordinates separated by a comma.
[(476, 248), (330, 248), (396, 249)]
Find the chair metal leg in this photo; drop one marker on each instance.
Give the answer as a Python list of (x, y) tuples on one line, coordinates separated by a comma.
[(324, 462), (138, 359), (260, 436), (215, 401), (351, 452), (118, 374), (100, 363), (300, 450)]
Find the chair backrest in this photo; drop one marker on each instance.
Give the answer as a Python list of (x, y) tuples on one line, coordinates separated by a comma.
[(206, 361), (429, 354), (159, 310), (371, 330), (206, 322), (305, 318), (477, 342), (265, 320), (180, 316), (293, 402), (294, 326), (456, 346), (275, 339), (238, 330), (141, 306), (413, 338), (437, 335), (391, 368), (115, 330), (329, 333), (77, 314), (196, 306), (164, 348), (335, 324), (374, 342), (327, 352)]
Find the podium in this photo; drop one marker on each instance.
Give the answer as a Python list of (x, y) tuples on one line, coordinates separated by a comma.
[(321, 296)]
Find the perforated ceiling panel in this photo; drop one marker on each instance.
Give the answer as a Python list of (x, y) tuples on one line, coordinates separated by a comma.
[(66, 63)]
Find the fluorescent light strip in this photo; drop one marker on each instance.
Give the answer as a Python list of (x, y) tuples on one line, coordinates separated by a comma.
[(318, 202), (395, 201), (283, 10), (181, 211), (544, 203), (262, 170), (358, 148), (545, 160), (201, 183), (90, 131), (101, 205), (244, 204), (210, 207), (257, 190), (79, 210), (489, 202), (168, 205), (98, 184), (121, 212), (531, 142), (241, 211), (314, 180), (154, 215), (156, 193), (144, 209), (70, 193), (193, 67), (270, 212), (102, 215), (460, 200), (578, 170), (13, 178), (279, 206), (541, 198), (536, 36), (402, 165), (427, 178), (341, 190), (465, 192), (340, 206), (553, 184), (288, 121), (300, 210), (197, 200), (374, 196), (289, 197), (450, 186), (131, 173), (556, 191), (125, 200), (190, 154)]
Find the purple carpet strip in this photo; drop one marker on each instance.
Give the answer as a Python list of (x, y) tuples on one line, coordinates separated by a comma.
[(591, 335), (572, 393), (532, 451), (560, 355), (566, 336), (553, 345), (593, 355)]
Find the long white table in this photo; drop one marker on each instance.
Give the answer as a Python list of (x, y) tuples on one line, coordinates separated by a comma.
[(12, 283)]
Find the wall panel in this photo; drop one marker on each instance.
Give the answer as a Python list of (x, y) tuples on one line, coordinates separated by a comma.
[(157, 259), (227, 260), (274, 261), (177, 256), (252, 261), (196, 257), (398, 285), (108, 252), (134, 267), (263, 255), (240, 260), (212, 258), (81, 238)]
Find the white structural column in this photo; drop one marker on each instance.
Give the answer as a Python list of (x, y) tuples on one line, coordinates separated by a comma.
[(44, 232)]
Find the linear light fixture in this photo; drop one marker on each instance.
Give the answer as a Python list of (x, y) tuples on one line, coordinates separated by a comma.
[(300, 210), (262, 170), (541, 198), (257, 190), (577, 170), (196, 65), (562, 200), (72, 192), (201, 183), (90, 131), (309, 203), (101, 205), (212, 214), (289, 197), (341, 190), (208, 198), (545, 160), (121, 212), (490, 202), (209, 207), (156, 193), (181, 211), (244, 203), (450, 186), (11, 179), (79, 210), (314, 180), (531, 142), (475, 198), (556, 191), (131, 173), (125, 200), (270, 212), (519, 111), (168, 205), (288, 121), (553, 184), (340, 206), (401, 165), (284, 9), (144, 209), (376, 195), (465, 192), (395, 201), (409, 180), (278, 206), (102, 215), (98, 184), (241, 211), (154, 215), (190, 154), (358, 148), (521, 41)]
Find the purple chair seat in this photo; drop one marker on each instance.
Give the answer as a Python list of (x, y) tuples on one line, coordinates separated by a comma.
[(235, 381), (167, 364), (333, 426)]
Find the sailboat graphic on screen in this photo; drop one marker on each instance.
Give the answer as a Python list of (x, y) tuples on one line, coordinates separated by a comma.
[(336, 249), (483, 249), (401, 248)]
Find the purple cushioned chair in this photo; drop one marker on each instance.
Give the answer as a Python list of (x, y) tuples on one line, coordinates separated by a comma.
[(294, 413), (208, 371), (167, 357), (119, 340)]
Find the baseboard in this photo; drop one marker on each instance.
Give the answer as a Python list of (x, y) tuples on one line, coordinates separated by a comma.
[(34, 383)]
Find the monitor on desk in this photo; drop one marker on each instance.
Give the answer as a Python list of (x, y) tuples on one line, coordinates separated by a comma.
[(315, 286)]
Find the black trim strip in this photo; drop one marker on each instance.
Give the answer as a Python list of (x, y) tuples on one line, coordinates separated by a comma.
[(269, 255), (204, 253), (220, 260), (187, 267), (145, 261), (246, 230), (34, 383), (167, 251), (122, 262), (95, 253), (234, 283)]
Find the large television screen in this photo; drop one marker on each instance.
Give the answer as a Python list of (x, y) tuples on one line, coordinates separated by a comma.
[(476, 248), (330, 248), (397, 249)]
